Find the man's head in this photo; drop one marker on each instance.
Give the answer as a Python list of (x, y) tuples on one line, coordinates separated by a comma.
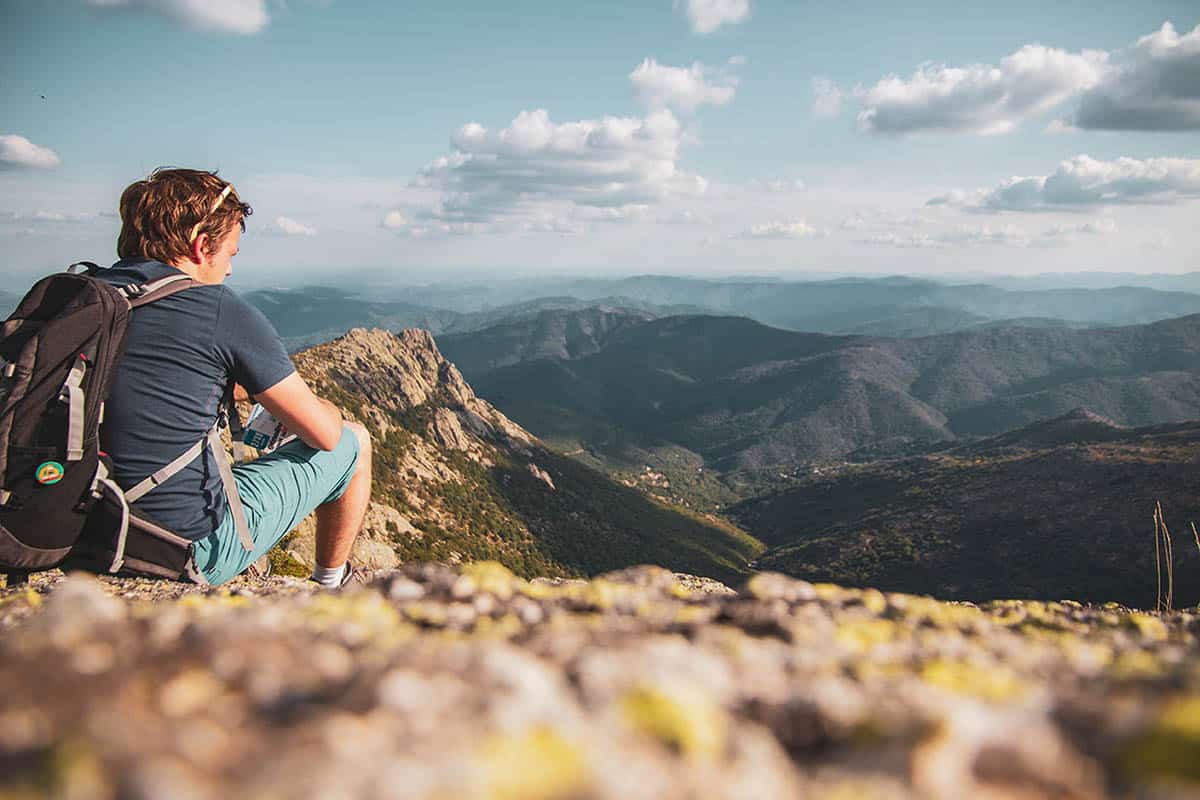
[(185, 217)]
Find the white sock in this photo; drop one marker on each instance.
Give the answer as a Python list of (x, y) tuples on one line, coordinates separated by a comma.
[(330, 577)]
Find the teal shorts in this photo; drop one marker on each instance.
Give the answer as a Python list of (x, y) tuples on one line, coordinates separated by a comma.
[(278, 490)]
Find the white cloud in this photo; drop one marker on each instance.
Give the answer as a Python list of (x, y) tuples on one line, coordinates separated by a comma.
[(979, 98), (657, 86), (827, 99), (962, 236), (1155, 88), (966, 235), (906, 240), (221, 16), (796, 229), (550, 223), (706, 16), (290, 227), (777, 186), (17, 152), (1160, 241), (394, 220), (737, 61), (535, 163), (50, 216), (1084, 182), (1001, 235), (627, 213), (1101, 226), (685, 217)]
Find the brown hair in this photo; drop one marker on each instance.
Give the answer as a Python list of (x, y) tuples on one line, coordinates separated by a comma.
[(161, 215)]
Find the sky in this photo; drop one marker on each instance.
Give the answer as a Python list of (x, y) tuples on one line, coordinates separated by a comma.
[(421, 142)]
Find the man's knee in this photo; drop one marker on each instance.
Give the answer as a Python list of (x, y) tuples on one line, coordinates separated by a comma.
[(364, 440)]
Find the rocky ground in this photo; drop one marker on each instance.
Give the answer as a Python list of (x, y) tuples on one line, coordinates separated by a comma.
[(465, 682)]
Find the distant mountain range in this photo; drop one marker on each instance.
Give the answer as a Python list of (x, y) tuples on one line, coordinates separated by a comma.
[(315, 314), (1182, 282), (1059, 509), (744, 396), (878, 307)]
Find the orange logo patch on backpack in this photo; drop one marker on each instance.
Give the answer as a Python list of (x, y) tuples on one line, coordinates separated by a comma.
[(49, 473)]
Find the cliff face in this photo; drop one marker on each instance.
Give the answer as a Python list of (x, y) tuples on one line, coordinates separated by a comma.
[(438, 682), (390, 374), (421, 413), (456, 480)]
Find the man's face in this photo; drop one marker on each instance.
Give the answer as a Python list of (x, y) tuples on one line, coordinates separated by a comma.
[(217, 267)]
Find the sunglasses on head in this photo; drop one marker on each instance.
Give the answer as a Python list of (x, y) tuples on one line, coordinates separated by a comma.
[(221, 199)]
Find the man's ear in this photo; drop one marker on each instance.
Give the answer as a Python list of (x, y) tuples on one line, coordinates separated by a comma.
[(196, 250)]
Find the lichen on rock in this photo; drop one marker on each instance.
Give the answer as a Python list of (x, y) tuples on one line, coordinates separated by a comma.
[(440, 681)]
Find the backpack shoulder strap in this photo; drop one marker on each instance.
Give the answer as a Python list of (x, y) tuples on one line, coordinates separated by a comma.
[(140, 294), (211, 440)]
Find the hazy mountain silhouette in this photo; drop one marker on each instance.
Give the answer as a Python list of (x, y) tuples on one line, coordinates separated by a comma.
[(747, 396), (896, 306)]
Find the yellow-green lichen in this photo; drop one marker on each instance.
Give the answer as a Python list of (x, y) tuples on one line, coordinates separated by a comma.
[(863, 634), (1171, 748), (492, 577), (360, 617), (680, 591), (72, 769), (1135, 665), (933, 612), (27, 595), (994, 683), (537, 765), (1148, 626), (874, 600), (686, 720), (284, 563)]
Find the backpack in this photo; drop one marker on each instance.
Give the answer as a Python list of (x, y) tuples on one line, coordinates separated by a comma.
[(58, 504)]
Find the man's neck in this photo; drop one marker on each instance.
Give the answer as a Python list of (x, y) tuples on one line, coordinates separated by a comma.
[(196, 272), (187, 267)]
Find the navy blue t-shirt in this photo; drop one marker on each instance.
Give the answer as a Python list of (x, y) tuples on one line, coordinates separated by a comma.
[(183, 352)]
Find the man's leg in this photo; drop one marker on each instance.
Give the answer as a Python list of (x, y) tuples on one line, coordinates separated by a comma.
[(339, 522), (279, 490)]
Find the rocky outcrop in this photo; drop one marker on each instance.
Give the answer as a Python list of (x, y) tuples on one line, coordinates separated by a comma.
[(397, 372), (421, 414), (435, 682), (454, 479)]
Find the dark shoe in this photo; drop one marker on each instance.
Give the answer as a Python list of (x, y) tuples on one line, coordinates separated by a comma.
[(260, 569), (353, 575)]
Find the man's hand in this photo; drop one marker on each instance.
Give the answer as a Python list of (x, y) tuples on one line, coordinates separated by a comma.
[(315, 420), (240, 394)]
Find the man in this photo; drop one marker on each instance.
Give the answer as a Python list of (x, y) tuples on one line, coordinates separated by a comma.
[(184, 353)]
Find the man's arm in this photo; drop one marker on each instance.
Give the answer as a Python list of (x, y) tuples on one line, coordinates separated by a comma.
[(315, 420)]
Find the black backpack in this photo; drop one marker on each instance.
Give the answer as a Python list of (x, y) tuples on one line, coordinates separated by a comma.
[(58, 506)]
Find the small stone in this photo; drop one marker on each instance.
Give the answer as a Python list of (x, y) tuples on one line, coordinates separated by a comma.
[(776, 586), (402, 589)]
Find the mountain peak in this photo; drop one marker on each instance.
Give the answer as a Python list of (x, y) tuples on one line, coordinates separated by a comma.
[(1080, 425), (399, 372)]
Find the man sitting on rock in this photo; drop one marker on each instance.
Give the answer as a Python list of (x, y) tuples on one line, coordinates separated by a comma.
[(184, 353)]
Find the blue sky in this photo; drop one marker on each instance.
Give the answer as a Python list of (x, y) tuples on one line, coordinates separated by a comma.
[(418, 142)]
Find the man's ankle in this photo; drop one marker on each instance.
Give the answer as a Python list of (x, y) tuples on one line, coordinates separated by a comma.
[(329, 577)]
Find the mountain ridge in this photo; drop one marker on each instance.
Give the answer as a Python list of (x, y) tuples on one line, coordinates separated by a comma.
[(1061, 508), (746, 396)]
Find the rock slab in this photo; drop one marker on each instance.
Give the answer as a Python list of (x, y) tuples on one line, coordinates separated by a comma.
[(433, 681)]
